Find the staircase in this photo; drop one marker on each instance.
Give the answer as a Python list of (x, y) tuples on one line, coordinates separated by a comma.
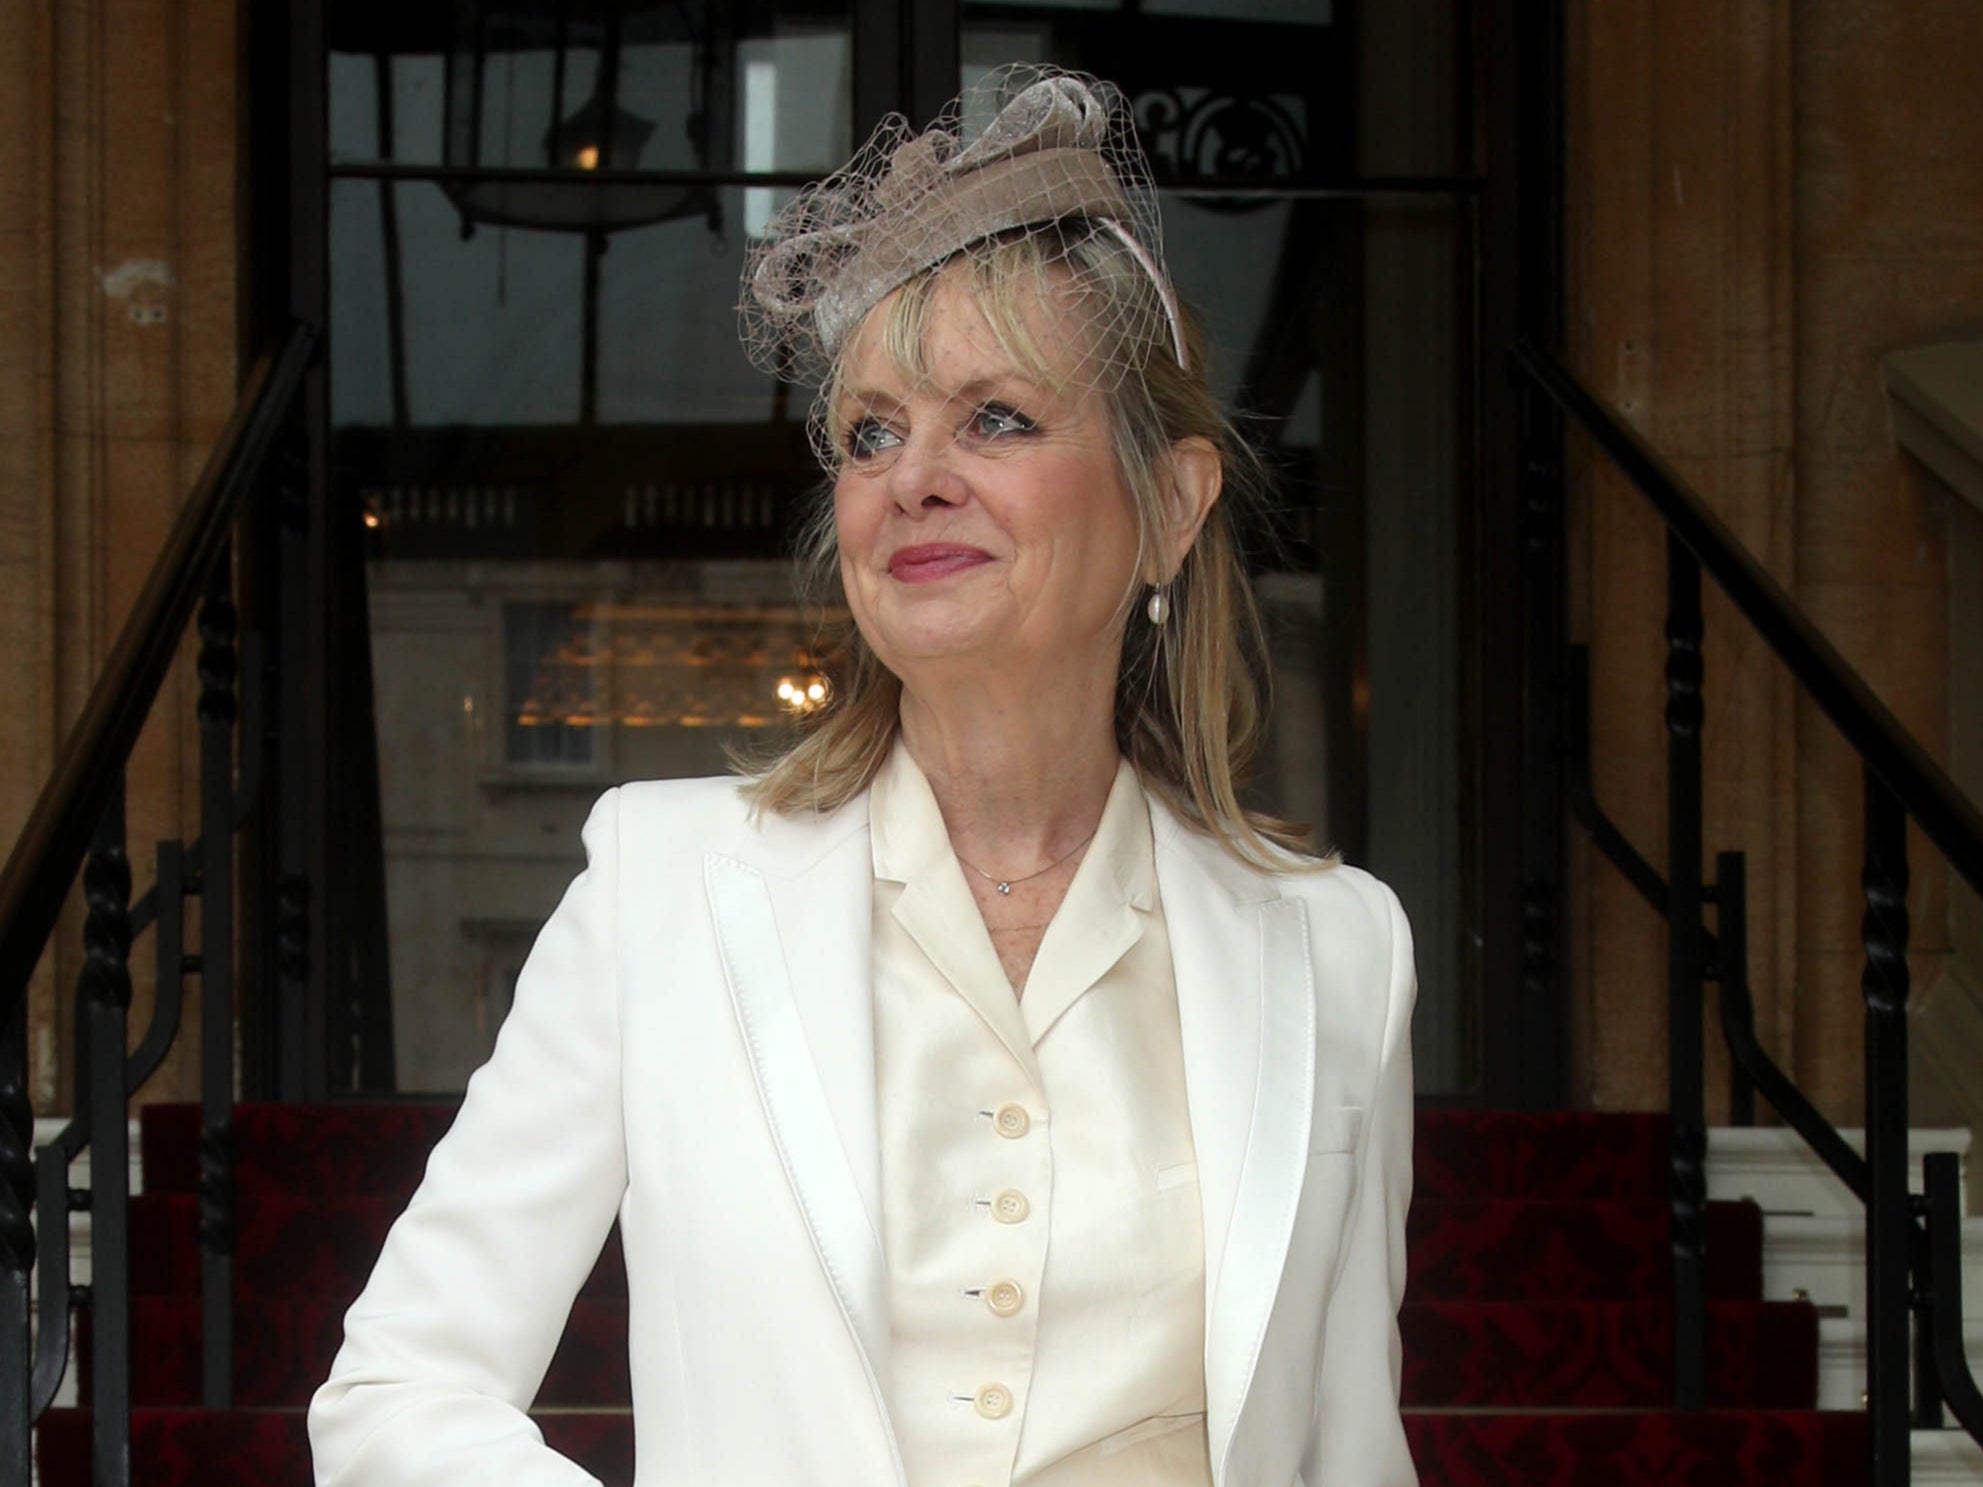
[(1814, 1249), (1536, 1327)]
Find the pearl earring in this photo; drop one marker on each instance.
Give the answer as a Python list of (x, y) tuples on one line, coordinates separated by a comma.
[(1159, 607)]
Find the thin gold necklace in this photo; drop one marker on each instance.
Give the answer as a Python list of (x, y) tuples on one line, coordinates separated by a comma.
[(1005, 884)]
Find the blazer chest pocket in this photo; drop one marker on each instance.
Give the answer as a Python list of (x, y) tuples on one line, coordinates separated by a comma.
[(1334, 1130)]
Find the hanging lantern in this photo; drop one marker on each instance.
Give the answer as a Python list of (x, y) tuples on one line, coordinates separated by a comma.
[(559, 86)]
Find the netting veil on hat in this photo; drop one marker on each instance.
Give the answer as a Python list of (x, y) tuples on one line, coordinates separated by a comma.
[(1057, 146)]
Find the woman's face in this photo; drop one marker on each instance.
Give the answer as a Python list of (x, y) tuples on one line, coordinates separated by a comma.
[(981, 518)]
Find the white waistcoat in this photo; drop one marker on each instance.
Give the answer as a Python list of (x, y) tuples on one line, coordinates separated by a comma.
[(1040, 1205)]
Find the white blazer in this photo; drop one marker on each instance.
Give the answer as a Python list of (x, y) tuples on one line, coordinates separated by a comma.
[(691, 1051)]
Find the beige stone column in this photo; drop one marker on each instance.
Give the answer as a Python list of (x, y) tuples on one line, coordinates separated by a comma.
[(118, 188), (1678, 185), (1732, 175), (1889, 253)]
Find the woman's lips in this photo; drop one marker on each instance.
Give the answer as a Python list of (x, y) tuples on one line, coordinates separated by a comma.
[(934, 560)]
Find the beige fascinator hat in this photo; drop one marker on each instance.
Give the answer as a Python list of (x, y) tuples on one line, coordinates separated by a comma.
[(1045, 146)]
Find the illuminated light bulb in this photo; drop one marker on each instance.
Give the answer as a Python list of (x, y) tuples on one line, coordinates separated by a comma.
[(785, 689), (816, 691), (587, 157), (372, 519)]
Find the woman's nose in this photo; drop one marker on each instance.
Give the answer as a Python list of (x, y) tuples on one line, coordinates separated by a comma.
[(924, 477)]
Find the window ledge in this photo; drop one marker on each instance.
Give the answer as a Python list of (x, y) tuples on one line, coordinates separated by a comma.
[(1937, 398)]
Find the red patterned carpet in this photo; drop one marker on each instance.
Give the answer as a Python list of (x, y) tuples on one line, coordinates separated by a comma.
[(1536, 1326)]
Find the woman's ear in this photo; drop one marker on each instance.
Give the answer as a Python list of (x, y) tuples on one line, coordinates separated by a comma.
[(1197, 474)]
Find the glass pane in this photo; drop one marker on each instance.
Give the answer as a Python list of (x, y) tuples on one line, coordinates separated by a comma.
[(577, 572), (635, 85), (433, 328), (551, 695), (507, 696)]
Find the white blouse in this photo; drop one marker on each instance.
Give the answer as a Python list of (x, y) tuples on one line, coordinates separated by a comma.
[(1039, 1188)]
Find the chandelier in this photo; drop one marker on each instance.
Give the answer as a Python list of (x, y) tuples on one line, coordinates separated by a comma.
[(543, 112)]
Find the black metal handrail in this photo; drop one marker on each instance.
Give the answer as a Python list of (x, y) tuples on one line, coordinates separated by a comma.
[(79, 821), (42, 867), (1945, 815), (1912, 1275)]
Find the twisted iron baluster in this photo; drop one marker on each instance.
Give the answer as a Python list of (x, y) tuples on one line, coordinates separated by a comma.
[(106, 987), (1884, 985), (217, 712), (1685, 714), (16, 1248)]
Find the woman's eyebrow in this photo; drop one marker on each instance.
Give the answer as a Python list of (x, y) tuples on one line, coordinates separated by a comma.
[(970, 394), (869, 400), (1010, 384)]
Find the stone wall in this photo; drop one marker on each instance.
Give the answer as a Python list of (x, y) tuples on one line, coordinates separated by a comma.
[(1764, 198), (118, 187)]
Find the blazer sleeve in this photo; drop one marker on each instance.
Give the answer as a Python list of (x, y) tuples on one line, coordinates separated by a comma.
[(446, 1347), (1358, 1438)]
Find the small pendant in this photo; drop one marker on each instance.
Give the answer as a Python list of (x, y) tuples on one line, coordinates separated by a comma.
[(1005, 888)]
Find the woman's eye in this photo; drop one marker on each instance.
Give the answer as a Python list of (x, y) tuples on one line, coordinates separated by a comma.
[(869, 437), (997, 420)]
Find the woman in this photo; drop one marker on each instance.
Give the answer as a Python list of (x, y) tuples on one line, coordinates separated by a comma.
[(983, 1095)]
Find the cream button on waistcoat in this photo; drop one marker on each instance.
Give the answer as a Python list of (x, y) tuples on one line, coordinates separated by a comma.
[(1005, 1298)]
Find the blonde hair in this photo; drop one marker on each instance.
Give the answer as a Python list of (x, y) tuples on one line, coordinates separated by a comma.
[(1191, 694)]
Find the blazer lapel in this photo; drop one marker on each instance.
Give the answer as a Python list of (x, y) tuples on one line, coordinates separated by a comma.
[(1246, 1011), (793, 924)]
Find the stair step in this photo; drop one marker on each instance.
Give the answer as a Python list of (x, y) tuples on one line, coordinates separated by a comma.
[(329, 1151), (1946, 1458), (380, 1150), (1772, 1166), (1487, 1250), (1503, 1249), (288, 1245), (1824, 1257), (1842, 1359), (1540, 1154), (269, 1448), (1583, 1355), (1783, 1449), (1602, 1355), (283, 1349)]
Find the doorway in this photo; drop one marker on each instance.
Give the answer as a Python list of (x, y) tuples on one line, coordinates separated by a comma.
[(571, 499)]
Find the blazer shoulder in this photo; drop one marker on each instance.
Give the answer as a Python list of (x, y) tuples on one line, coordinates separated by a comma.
[(664, 818), (712, 799), (670, 819), (1346, 890), (1349, 905)]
